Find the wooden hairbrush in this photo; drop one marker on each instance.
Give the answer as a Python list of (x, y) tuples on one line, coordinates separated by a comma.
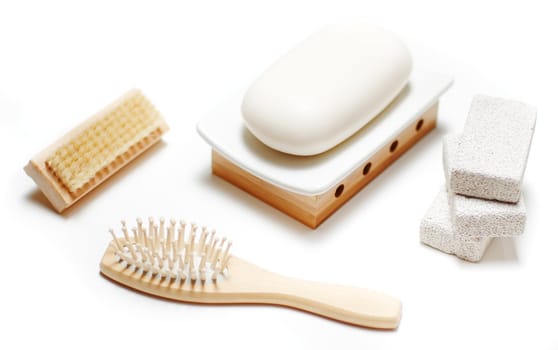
[(184, 262)]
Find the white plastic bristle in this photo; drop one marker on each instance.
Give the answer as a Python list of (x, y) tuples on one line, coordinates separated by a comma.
[(168, 264), (139, 248), (193, 272), (187, 252), (203, 238), (135, 232), (153, 269), (155, 239), (172, 229), (226, 253), (181, 230), (225, 263), (221, 247), (150, 227), (213, 265), (215, 255), (116, 241), (139, 223), (202, 269), (169, 240), (174, 252), (140, 265), (186, 262), (203, 272), (209, 244), (166, 267), (129, 261), (212, 250), (142, 236), (180, 275), (160, 262), (175, 262), (215, 258), (203, 260), (132, 251), (146, 257), (161, 230), (180, 263), (191, 240), (150, 256), (150, 245), (192, 235), (206, 244), (125, 232)]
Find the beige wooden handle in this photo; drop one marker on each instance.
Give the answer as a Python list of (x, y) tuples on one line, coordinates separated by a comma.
[(353, 305), (252, 284)]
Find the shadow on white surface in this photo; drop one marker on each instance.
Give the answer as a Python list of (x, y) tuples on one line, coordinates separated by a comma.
[(37, 198), (501, 250), (254, 204)]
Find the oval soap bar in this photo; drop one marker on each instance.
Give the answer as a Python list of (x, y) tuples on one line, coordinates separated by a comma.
[(326, 88)]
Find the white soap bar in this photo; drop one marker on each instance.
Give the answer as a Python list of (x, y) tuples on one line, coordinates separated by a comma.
[(326, 88)]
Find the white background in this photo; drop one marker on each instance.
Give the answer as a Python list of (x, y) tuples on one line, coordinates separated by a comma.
[(62, 61)]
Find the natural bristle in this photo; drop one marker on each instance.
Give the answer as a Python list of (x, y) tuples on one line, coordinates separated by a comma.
[(79, 160), (96, 149), (157, 251)]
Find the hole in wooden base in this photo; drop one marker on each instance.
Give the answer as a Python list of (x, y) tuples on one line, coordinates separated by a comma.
[(419, 124), (366, 168), (339, 190), (393, 146)]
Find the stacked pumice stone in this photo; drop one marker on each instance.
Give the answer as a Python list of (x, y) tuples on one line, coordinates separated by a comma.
[(484, 169)]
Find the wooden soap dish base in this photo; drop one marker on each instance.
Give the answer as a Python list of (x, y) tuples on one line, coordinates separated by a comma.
[(312, 210)]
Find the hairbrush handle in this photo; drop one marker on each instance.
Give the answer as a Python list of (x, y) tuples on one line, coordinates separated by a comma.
[(353, 305), (348, 304)]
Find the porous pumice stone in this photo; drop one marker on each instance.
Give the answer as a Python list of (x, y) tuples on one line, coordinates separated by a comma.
[(492, 152), (436, 230), (474, 217)]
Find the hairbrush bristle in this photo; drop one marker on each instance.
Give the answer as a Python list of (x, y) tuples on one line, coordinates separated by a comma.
[(183, 252)]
